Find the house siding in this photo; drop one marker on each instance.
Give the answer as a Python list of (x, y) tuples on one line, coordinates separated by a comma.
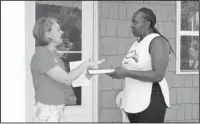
[(115, 40)]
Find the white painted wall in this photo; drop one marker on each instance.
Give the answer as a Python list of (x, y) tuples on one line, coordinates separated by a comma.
[(29, 51)]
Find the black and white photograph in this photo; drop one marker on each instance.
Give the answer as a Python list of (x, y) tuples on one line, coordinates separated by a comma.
[(103, 61)]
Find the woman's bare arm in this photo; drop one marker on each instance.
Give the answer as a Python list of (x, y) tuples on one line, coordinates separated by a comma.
[(58, 74)]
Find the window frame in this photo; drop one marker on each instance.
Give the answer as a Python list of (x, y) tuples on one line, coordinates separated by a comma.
[(180, 33)]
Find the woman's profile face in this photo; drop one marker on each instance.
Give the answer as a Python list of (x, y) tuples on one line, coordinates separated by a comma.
[(137, 24), (56, 33)]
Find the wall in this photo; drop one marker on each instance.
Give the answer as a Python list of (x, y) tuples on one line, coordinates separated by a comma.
[(30, 49), (115, 40)]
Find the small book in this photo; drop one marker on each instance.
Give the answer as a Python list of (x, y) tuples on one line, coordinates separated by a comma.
[(100, 71)]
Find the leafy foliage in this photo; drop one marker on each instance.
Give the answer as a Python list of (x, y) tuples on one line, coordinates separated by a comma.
[(70, 19), (188, 8)]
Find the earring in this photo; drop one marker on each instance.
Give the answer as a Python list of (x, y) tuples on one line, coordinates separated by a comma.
[(142, 32), (147, 31)]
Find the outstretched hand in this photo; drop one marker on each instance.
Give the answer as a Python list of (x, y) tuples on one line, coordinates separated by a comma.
[(93, 65)]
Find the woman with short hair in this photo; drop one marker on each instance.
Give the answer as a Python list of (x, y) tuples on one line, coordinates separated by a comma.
[(52, 84)]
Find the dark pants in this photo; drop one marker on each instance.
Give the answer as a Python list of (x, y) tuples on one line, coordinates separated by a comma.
[(155, 113)]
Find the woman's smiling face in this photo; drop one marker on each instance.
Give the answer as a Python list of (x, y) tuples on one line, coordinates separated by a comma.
[(55, 35)]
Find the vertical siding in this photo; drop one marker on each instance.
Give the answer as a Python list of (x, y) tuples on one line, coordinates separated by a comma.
[(115, 40)]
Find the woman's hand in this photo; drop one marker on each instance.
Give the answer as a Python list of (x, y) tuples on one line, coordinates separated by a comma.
[(87, 75), (92, 65), (119, 73)]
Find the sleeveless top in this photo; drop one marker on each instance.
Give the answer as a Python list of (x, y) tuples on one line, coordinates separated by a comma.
[(136, 95)]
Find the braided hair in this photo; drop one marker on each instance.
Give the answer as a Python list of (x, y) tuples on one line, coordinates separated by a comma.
[(150, 16)]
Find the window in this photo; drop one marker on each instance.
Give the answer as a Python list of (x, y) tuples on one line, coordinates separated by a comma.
[(187, 44)]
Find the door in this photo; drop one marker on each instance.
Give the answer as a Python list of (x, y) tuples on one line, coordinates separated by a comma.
[(78, 19)]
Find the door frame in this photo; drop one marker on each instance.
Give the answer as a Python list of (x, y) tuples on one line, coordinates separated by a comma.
[(30, 49), (96, 57)]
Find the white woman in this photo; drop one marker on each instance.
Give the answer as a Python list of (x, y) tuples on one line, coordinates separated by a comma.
[(52, 84)]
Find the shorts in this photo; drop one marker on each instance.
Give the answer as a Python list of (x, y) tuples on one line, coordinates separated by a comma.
[(48, 113)]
